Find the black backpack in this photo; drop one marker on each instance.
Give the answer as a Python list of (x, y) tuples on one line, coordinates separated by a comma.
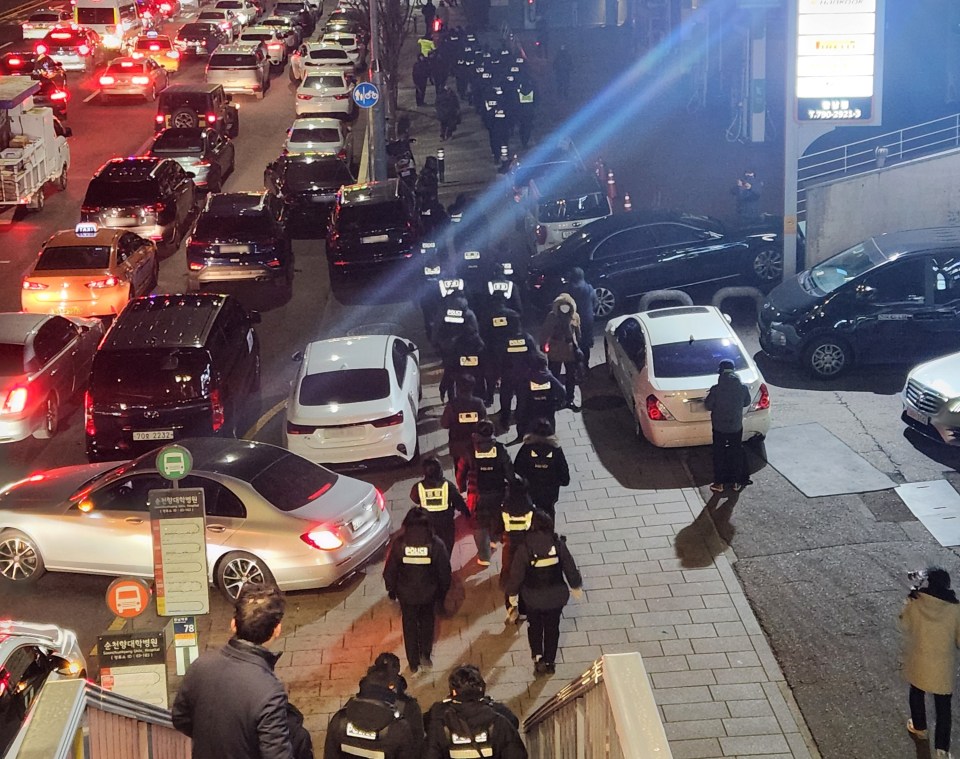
[(463, 739)]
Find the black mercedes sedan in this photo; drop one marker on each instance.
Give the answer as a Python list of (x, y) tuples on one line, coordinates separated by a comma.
[(308, 185)]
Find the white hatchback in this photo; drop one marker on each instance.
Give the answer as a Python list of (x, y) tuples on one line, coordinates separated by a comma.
[(325, 92), (316, 136), (355, 399), (666, 360)]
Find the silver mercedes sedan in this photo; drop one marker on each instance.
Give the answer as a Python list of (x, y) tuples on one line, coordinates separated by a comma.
[(271, 517)]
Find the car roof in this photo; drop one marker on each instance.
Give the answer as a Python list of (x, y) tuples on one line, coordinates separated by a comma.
[(566, 184), (201, 88), (68, 237), (241, 459), (916, 241), (129, 60), (340, 353), (259, 29), (234, 203), (312, 122), (164, 321), (16, 327), (678, 324), (132, 169), (237, 47), (370, 192), (628, 219), (14, 633)]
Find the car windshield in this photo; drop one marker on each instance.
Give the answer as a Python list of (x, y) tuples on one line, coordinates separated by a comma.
[(44, 17), (105, 192), (157, 375), (249, 226), (291, 482), (127, 67), (590, 206), (371, 216), (256, 36), (88, 16), (230, 4), (695, 358), (315, 135), (343, 41), (57, 258), (179, 141), (328, 55), (232, 60), (347, 386), (11, 359), (287, 8), (214, 15), (195, 30), (195, 101), (841, 268), (319, 82)]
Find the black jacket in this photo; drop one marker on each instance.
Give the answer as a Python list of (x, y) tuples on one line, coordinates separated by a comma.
[(407, 705), (726, 402), (421, 73), (417, 569), (544, 588), (540, 395), (461, 416), (483, 474), (381, 723), (299, 736), (541, 462), (233, 706), (477, 715)]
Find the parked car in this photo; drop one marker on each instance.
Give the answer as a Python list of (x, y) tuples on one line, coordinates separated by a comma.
[(194, 105), (628, 254), (132, 77), (240, 236), (30, 63), (372, 224), (171, 367), (308, 186), (298, 12), (76, 48), (244, 10), (205, 153), (271, 517), (160, 49), (355, 399), (226, 21), (349, 42), (931, 399), (325, 92), (199, 39), (44, 364), (891, 298), (666, 360), (311, 56), (273, 41), (152, 197), (42, 21), (317, 136), (90, 271), (240, 68)]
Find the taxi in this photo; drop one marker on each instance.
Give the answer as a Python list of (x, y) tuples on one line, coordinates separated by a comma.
[(90, 271), (160, 49)]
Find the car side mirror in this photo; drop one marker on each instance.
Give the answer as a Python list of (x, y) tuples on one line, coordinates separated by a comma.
[(255, 317), (298, 356)]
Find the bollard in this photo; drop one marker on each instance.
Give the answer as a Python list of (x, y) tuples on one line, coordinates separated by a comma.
[(441, 172), (627, 205), (611, 186)]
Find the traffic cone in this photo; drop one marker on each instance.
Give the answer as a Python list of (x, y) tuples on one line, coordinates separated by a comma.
[(627, 205), (611, 186)]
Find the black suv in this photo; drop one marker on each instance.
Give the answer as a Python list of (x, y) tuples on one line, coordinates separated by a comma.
[(240, 236), (193, 105), (372, 224), (308, 186), (199, 39), (170, 367), (153, 197)]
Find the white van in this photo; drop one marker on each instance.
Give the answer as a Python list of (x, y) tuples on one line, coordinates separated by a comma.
[(116, 21)]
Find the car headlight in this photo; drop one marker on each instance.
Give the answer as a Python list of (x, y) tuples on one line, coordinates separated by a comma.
[(954, 406)]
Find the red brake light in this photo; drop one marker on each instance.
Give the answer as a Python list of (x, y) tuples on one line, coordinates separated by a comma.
[(763, 402), (325, 540), (304, 97), (41, 49), (656, 411), (275, 46), (89, 209), (389, 421), (299, 429), (154, 47), (195, 266), (211, 118), (14, 62), (274, 263), (84, 50), (105, 80), (58, 95), (99, 284), (155, 208), (380, 504), (15, 402), (541, 234), (60, 35), (216, 410), (165, 7), (159, 119), (31, 285), (89, 426), (340, 97)]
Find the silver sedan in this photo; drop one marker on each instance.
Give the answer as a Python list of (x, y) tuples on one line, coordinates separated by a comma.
[(271, 517)]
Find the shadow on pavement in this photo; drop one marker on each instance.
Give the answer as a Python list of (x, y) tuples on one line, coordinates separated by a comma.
[(939, 452), (880, 380), (256, 296), (694, 544)]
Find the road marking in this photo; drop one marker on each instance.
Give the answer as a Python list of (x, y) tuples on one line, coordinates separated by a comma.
[(116, 626), (5, 44), (264, 420), (91, 96)]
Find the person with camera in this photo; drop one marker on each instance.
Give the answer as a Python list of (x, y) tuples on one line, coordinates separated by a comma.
[(930, 622)]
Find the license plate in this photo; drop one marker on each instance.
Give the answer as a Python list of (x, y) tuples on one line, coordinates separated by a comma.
[(916, 415), (343, 433), (153, 435), (228, 249), (358, 523), (695, 407), (65, 311), (121, 221), (374, 238)]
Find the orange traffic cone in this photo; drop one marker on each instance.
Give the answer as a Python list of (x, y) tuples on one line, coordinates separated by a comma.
[(611, 186), (627, 205)]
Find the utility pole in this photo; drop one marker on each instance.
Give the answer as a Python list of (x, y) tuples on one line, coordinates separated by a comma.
[(376, 121)]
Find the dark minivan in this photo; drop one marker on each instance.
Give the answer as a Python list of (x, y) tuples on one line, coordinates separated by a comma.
[(889, 299), (171, 366)]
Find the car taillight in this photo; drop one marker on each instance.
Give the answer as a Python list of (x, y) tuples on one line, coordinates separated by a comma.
[(763, 402), (325, 540), (224, 24), (389, 421), (31, 285), (136, 56), (58, 95), (300, 429), (165, 7), (656, 411), (342, 153), (154, 48), (195, 266), (380, 504), (16, 62), (105, 80), (304, 97), (159, 118), (15, 402), (41, 49), (89, 209), (340, 97), (201, 162), (275, 46), (157, 207), (541, 232), (89, 426), (216, 410), (211, 118), (140, 80), (84, 50), (99, 284), (274, 263)]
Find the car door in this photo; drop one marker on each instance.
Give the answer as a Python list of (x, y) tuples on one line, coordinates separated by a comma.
[(938, 325), (626, 262), (225, 514), (222, 151), (630, 351), (406, 372), (55, 347), (687, 255)]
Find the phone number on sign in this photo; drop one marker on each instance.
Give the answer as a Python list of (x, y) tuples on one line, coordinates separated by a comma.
[(850, 113)]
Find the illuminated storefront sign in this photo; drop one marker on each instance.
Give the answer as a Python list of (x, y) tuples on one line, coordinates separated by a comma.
[(838, 60)]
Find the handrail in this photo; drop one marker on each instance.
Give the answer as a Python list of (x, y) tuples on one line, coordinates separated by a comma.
[(569, 692)]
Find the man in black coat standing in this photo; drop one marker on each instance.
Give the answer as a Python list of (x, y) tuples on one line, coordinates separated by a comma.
[(726, 402), (231, 704), (421, 78)]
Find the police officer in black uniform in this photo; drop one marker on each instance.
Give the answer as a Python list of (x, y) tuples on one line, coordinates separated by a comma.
[(516, 515), (463, 412), (516, 365), (540, 396), (485, 473), (456, 318), (440, 499), (542, 463), (468, 356)]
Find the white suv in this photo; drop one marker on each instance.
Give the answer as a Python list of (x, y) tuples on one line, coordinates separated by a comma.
[(240, 68)]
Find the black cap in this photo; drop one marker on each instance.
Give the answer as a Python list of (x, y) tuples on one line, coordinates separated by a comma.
[(726, 366)]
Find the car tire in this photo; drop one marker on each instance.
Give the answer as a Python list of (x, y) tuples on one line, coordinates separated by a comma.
[(62, 179), (37, 205), (184, 118), (608, 301), (827, 357), (20, 559), (293, 75), (234, 129), (766, 266), (415, 458), (50, 422), (606, 359), (237, 569)]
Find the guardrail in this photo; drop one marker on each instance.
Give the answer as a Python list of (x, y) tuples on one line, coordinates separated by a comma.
[(872, 153), (21, 11), (608, 713), (75, 719)]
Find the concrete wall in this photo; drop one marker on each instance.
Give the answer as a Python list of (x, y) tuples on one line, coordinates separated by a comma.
[(921, 193)]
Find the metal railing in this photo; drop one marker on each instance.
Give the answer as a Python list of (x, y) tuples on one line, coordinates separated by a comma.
[(75, 719), (607, 713), (872, 153)]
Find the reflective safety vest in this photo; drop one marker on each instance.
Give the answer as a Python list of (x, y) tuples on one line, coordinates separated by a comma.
[(501, 287), (416, 555), (491, 454), (541, 462), (526, 98), (433, 271), (453, 316), (363, 743), (499, 321), (448, 287), (544, 570), (468, 417), (513, 523), (537, 387), (471, 255), (470, 746), (517, 345), (434, 499), (469, 360)]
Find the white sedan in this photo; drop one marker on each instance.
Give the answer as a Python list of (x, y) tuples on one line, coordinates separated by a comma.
[(355, 399), (316, 136), (931, 399), (325, 92), (313, 55), (666, 360), (346, 40)]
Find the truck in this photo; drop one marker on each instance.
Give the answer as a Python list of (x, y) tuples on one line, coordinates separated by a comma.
[(33, 146)]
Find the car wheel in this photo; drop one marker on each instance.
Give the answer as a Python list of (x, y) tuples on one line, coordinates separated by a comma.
[(293, 74), (234, 128), (184, 119), (415, 458), (50, 422), (39, 200), (766, 267), (607, 302), (20, 559), (827, 357), (62, 179), (238, 569), (155, 279)]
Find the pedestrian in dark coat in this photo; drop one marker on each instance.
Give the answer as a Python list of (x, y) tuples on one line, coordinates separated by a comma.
[(448, 113), (518, 360), (231, 704), (562, 65), (440, 499), (585, 296), (480, 723), (429, 11), (463, 412), (417, 574), (542, 575), (747, 193), (456, 319), (560, 336), (407, 705), (516, 516), (439, 72), (485, 473), (421, 78), (371, 724), (726, 402), (300, 738), (540, 396), (930, 621), (468, 356), (541, 462)]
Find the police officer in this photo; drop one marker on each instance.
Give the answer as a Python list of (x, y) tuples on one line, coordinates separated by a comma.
[(485, 473), (516, 515), (500, 285), (526, 109), (456, 319), (407, 705), (436, 266), (417, 573), (540, 572), (467, 357), (440, 499), (514, 369), (542, 463), (370, 724), (538, 397), (463, 412)]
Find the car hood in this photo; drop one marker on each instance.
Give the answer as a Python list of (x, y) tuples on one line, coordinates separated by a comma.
[(941, 375), (788, 299), (346, 500), (62, 641), (49, 491)]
